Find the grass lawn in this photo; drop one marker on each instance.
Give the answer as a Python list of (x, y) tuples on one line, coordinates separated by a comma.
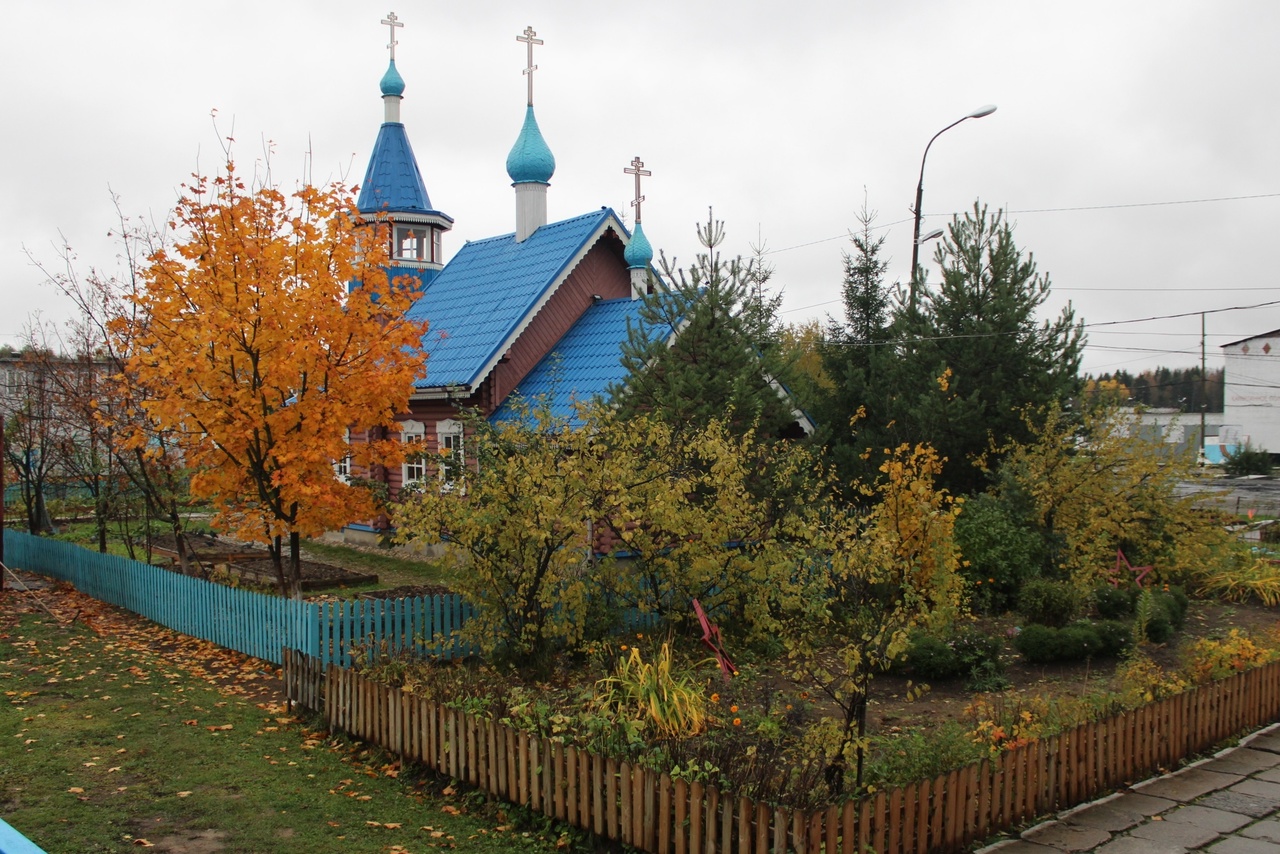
[(117, 734), (392, 569)]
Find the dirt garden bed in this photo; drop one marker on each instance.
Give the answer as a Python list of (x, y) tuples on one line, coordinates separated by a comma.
[(947, 700), (252, 565)]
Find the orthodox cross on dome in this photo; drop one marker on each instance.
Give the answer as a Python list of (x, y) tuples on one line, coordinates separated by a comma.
[(528, 38), (392, 22), (637, 169)]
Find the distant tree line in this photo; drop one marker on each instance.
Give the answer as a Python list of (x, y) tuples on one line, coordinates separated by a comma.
[(1165, 388)]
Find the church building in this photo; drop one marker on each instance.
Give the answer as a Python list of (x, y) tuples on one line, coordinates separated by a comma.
[(540, 311)]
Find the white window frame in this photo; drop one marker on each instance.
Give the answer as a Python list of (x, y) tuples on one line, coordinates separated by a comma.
[(413, 471), (411, 242), (342, 467), (451, 448)]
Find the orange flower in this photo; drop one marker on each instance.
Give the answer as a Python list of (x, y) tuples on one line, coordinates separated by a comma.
[(737, 721), (715, 698), (733, 709), (623, 647)]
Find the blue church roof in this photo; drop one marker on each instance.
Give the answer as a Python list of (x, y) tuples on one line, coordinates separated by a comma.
[(583, 364), (392, 183), (489, 288)]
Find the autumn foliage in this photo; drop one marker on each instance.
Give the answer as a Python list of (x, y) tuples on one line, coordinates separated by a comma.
[(259, 359)]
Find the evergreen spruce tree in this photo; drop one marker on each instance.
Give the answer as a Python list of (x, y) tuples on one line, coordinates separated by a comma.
[(973, 355), (725, 355), (854, 357)]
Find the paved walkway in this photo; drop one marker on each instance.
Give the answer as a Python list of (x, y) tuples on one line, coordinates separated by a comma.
[(1227, 804)]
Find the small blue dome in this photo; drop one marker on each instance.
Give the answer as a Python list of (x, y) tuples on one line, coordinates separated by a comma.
[(392, 82), (638, 253), (530, 161)]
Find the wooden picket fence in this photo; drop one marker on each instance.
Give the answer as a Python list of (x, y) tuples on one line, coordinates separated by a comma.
[(617, 800)]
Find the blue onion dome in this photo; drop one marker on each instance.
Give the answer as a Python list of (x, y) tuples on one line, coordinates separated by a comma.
[(638, 253), (392, 82), (530, 161)]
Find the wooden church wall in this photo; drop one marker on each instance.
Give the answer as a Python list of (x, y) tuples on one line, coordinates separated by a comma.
[(602, 272)]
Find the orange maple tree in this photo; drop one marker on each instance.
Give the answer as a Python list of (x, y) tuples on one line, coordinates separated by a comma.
[(259, 358)]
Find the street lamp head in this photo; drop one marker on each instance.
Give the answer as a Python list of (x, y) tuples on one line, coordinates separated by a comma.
[(982, 112), (933, 235)]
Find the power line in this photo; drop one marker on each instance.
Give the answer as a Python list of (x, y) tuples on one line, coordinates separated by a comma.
[(1157, 291), (1121, 206), (1148, 204)]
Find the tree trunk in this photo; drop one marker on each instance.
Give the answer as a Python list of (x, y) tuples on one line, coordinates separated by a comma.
[(295, 566), (100, 516), (274, 549)]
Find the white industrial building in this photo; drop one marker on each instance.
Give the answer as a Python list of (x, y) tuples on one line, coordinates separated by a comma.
[(1251, 392)]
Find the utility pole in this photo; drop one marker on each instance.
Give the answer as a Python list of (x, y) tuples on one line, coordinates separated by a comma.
[(1204, 397)]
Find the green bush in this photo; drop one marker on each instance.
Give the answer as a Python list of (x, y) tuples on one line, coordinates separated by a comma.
[(899, 759), (987, 677), (1049, 603), (1159, 628), (970, 653), (1114, 603), (1079, 641), (977, 650), (1000, 551), (1038, 644), (1162, 613), (1046, 645), (1116, 636), (1178, 602), (932, 657), (1247, 460)]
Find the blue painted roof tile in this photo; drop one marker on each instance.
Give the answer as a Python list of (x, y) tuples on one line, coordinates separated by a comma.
[(489, 287), (583, 364), (392, 183)]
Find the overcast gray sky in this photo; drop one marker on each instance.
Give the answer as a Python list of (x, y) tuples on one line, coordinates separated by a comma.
[(1115, 122)]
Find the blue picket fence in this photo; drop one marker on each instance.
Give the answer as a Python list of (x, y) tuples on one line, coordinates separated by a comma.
[(252, 623), (13, 842)]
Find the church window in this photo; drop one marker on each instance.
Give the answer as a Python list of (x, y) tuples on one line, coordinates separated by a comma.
[(413, 434), (411, 242), (449, 446), (342, 468)]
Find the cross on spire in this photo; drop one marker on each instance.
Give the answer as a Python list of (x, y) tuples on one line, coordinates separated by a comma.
[(637, 169), (392, 22), (528, 38)]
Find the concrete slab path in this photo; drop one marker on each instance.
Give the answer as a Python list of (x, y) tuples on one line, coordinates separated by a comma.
[(1226, 804)]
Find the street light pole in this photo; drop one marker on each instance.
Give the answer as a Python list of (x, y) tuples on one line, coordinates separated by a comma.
[(915, 238)]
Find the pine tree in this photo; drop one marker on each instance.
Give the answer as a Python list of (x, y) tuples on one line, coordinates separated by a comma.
[(973, 356), (853, 357), (724, 361)]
